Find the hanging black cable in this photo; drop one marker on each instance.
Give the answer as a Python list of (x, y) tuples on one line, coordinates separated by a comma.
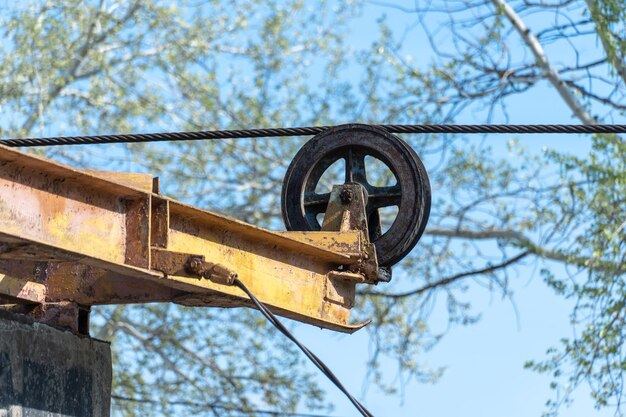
[(316, 361), (306, 131)]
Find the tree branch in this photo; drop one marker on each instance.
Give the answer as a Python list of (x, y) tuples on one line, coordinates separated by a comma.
[(617, 61), (542, 61), (520, 240), (214, 405), (602, 100), (82, 52), (451, 279)]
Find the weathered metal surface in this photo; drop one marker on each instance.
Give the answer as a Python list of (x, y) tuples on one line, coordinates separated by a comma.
[(198, 219), (348, 242), (138, 232), (224, 300), (344, 214), (88, 285), (279, 276), (173, 263), (46, 372), (346, 276), (66, 314), (185, 264), (65, 221), (339, 291), (141, 181), (160, 223), (84, 239)]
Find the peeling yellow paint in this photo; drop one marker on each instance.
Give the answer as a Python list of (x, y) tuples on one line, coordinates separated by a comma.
[(24, 290)]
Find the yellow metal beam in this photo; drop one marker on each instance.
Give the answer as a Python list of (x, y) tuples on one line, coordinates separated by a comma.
[(89, 238)]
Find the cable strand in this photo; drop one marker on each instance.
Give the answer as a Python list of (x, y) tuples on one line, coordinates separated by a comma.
[(307, 131), (312, 357)]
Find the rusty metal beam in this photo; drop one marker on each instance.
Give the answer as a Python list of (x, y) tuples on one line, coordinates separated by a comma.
[(88, 238)]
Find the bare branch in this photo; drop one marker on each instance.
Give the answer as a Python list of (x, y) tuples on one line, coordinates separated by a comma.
[(518, 239), (451, 279), (541, 58), (596, 97)]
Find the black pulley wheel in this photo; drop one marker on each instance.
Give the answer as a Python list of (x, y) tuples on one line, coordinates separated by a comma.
[(301, 204)]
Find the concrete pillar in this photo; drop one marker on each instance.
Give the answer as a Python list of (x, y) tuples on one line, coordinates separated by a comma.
[(47, 372)]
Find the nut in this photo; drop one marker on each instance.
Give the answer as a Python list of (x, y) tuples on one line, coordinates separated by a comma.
[(346, 195)]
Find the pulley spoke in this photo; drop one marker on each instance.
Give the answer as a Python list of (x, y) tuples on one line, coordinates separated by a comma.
[(384, 196), (355, 166), (316, 203), (373, 225)]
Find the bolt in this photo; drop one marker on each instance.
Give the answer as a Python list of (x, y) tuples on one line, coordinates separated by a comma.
[(208, 270), (346, 195), (194, 265)]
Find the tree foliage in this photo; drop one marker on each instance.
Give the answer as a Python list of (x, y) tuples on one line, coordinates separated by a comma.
[(105, 66), (496, 51)]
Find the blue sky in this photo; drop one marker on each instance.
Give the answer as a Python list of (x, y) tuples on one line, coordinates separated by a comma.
[(484, 375), (484, 362)]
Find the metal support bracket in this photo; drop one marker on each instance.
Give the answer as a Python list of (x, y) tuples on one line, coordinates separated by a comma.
[(346, 212), (185, 264)]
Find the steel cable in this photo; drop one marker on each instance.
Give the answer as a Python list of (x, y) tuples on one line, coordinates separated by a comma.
[(316, 361), (307, 131)]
